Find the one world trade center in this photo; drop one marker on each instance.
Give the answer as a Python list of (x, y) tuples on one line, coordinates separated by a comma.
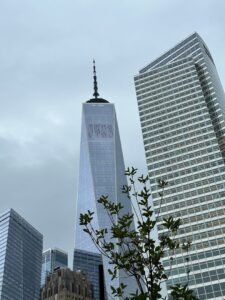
[(101, 172)]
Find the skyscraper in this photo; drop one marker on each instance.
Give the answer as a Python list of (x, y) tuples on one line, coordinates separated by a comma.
[(51, 259), (101, 173), (91, 264), (182, 111), (20, 258)]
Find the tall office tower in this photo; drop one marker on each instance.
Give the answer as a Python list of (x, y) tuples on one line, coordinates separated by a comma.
[(65, 284), (182, 111), (51, 259), (91, 264), (101, 173), (20, 258)]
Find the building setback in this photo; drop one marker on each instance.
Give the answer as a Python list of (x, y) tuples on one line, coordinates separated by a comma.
[(65, 284), (51, 259), (20, 258), (182, 111), (101, 172)]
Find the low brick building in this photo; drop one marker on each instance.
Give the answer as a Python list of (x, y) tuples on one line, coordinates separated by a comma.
[(64, 284)]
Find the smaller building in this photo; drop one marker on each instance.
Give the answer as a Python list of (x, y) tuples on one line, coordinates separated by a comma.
[(20, 258), (51, 259), (66, 284), (92, 265)]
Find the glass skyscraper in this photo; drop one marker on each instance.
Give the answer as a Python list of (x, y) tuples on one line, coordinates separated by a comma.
[(20, 258), (101, 173), (91, 264), (182, 111), (51, 259)]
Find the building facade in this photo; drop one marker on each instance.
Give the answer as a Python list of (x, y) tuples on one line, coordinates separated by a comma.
[(51, 259), (64, 284), (91, 264), (101, 172), (182, 111), (20, 258)]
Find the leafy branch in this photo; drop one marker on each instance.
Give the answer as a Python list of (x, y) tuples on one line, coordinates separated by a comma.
[(135, 250)]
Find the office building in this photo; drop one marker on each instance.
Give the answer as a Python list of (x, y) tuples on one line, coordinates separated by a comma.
[(51, 259), (65, 284), (101, 172), (182, 111), (20, 258), (92, 265)]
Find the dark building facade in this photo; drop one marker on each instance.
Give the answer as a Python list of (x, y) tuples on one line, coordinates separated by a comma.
[(91, 263)]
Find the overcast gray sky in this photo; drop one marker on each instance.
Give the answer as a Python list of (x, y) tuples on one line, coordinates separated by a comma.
[(46, 52)]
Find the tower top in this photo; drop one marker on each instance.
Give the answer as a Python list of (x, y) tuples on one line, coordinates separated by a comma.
[(96, 94), (96, 98)]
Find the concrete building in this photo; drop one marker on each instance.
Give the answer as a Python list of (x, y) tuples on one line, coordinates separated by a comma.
[(51, 259), (65, 284), (20, 258), (101, 172), (182, 111)]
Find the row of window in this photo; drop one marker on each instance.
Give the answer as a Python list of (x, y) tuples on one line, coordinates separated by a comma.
[(194, 197), (49, 292), (199, 266), (194, 257), (179, 133), (189, 185), (177, 76), (176, 119), (182, 156), (196, 165), (200, 189), (172, 83), (185, 170), (199, 192), (187, 203), (179, 91), (177, 179), (199, 246), (175, 137), (202, 226), (204, 292), (150, 104), (173, 164), (186, 122), (182, 144), (192, 210)]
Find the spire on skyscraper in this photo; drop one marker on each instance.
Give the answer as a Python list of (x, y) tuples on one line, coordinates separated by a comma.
[(96, 94), (96, 98)]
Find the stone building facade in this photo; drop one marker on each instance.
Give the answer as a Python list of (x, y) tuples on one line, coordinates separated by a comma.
[(65, 284)]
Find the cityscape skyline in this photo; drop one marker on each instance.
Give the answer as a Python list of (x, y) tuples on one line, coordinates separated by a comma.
[(40, 115)]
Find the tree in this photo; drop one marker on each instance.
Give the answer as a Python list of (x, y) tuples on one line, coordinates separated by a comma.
[(139, 255), (182, 292)]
